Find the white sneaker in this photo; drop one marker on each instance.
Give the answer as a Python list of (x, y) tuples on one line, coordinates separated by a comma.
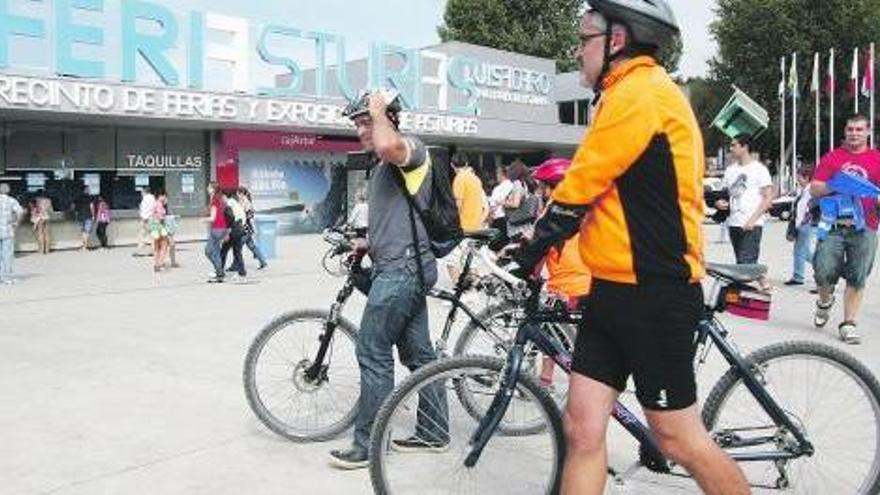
[(849, 333)]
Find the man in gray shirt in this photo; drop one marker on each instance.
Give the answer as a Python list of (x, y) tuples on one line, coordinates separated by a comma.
[(396, 312)]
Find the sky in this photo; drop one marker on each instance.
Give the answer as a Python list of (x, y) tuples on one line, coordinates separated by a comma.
[(413, 23), (405, 23)]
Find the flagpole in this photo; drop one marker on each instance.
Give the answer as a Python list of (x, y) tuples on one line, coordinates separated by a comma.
[(855, 75), (794, 95), (815, 87), (782, 166), (871, 89), (831, 91)]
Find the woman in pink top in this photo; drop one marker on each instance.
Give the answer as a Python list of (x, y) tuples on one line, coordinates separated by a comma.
[(159, 233), (101, 217)]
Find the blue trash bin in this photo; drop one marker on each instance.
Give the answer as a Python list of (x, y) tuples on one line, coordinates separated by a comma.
[(267, 233)]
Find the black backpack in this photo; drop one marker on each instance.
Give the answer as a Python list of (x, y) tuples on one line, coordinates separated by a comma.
[(440, 216)]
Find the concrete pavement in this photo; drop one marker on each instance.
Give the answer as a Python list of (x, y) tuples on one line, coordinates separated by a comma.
[(116, 380)]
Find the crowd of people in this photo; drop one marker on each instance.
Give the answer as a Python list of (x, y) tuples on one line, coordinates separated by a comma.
[(231, 217)]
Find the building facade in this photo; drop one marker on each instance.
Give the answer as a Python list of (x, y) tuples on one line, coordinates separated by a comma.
[(116, 99)]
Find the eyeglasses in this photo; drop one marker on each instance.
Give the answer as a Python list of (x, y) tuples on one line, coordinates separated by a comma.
[(584, 38)]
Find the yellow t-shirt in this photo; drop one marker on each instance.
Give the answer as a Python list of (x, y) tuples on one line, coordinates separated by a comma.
[(468, 192)]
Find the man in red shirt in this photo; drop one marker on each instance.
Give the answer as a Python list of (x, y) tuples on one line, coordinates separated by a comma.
[(847, 251)]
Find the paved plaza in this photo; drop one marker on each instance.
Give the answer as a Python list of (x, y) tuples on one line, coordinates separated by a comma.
[(119, 381)]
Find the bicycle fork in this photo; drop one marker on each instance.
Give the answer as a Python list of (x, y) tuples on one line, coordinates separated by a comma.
[(509, 378), (490, 421), (317, 371)]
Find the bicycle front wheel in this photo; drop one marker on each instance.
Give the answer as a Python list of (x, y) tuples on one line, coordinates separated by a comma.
[(278, 384), (438, 435), (495, 338), (831, 397)]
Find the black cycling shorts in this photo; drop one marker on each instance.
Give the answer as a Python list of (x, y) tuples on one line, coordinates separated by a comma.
[(646, 331)]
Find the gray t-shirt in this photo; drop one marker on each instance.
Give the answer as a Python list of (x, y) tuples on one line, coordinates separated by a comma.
[(389, 227)]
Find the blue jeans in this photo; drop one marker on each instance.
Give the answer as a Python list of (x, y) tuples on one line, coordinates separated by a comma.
[(803, 251), (252, 245), (212, 250), (7, 253), (397, 315)]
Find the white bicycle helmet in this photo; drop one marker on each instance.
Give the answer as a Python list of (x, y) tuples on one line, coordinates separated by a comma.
[(651, 22)]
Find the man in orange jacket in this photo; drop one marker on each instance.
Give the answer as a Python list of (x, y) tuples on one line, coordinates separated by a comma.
[(639, 171)]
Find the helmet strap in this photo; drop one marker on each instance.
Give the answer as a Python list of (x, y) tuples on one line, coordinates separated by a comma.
[(607, 58)]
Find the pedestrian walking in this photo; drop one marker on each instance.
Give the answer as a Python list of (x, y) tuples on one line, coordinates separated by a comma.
[(82, 209), (145, 212), (800, 228), (235, 221), (101, 215), (41, 215), (848, 248), (218, 231), (11, 213), (359, 215), (250, 227), (158, 232), (750, 189), (404, 268)]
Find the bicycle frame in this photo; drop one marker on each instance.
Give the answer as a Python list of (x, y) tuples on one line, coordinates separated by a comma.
[(709, 328), (318, 368)]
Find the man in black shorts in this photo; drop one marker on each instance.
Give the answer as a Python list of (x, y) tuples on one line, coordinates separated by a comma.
[(634, 191)]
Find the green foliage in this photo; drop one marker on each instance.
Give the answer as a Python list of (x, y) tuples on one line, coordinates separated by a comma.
[(753, 35), (542, 28), (707, 97)]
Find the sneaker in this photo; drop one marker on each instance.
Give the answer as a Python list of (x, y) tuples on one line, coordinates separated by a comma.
[(794, 282), (823, 312), (215, 280), (416, 444), (848, 333), (262, 265), (349, 459)]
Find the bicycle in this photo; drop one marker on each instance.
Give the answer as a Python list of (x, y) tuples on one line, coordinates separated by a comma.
[(754, 412), (301, 376)]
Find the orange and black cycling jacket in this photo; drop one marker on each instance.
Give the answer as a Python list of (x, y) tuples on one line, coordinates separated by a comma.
[(640, 166)]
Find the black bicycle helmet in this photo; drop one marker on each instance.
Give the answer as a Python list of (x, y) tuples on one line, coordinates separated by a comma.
[(650, 22), (360, 104)]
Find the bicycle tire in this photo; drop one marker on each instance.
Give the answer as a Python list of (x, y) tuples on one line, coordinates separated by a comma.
[(291, 369), (809, 358), (511, 314), (397, 402)]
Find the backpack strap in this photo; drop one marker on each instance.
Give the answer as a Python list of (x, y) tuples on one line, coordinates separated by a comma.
[(398, 178)]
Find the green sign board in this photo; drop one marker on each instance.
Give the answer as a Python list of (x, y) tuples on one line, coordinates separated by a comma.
[(741, 115)]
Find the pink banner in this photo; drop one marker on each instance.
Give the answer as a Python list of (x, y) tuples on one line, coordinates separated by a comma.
[(234, 140), (240, 139)]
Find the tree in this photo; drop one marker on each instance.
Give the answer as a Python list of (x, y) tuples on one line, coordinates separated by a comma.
[(707, 97), (753, 35), (542, 28)]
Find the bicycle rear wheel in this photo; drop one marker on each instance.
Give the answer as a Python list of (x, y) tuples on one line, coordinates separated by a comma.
[(511, 465), (279, 390), (833, 398)]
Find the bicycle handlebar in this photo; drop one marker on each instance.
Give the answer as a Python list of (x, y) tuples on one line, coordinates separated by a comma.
[(498, 271)]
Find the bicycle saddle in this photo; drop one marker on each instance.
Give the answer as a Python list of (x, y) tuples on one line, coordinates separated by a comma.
[(737, 273), (482, 235)]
